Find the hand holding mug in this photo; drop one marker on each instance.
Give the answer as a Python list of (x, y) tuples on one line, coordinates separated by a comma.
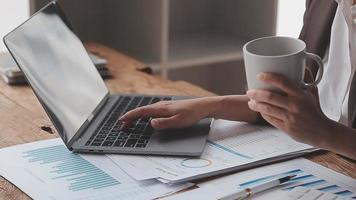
[(275, 69)]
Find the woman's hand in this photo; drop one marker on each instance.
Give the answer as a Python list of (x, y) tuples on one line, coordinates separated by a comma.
[(173, 114), (297, 112)]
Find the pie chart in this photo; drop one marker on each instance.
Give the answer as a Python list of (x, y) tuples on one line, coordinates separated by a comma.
[(195, 163)]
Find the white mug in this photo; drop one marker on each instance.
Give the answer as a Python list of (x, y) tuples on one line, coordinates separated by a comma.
[(280, 55)]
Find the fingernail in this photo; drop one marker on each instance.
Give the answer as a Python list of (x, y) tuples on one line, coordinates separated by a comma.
[(154, 122), (251, 103), (250, 93), (261, 76)]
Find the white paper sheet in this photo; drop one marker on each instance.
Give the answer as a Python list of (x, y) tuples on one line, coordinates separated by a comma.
[(48, 170), (303, 193), (309, 175), (231, 144)]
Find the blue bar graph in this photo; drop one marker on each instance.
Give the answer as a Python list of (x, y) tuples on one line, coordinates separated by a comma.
[(78, 172), (303, 180)]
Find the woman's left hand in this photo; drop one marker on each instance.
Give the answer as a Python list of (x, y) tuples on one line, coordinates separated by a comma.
[(297, 112)]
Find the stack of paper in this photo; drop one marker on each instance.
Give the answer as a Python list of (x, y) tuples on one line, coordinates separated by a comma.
[(58, 173), (11, 73), (232, 146)]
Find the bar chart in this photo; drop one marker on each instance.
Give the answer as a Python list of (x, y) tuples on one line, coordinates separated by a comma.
[(303, 179), (78, 172)]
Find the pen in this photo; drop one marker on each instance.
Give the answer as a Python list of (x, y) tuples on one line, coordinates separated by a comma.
[(248, 192)]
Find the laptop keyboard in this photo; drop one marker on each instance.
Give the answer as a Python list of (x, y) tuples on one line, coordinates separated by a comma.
[(112, 133)]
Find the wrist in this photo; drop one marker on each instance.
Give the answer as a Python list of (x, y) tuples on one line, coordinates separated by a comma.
[(325, 134), (212, 105), (340, 139)]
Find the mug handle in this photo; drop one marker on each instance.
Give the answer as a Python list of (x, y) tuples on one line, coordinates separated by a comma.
[(320, 64)]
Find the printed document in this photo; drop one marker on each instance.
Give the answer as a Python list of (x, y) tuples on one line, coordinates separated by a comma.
[(311, 178), (231, 146), (48, 170)]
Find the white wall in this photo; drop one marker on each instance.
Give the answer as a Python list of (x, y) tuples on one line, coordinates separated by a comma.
[(290, 17), (289, 22), (12, 13)]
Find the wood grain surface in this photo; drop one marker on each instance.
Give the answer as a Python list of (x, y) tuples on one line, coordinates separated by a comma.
[(22, 118)]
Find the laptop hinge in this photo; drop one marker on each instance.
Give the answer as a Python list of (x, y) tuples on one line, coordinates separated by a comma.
[(87, 122)]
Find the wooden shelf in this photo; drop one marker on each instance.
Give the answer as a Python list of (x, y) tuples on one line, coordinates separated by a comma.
[(191, 49), (174, 35)]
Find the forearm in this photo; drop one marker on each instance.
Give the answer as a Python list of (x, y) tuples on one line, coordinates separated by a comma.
[(339, 139), (232, 107)]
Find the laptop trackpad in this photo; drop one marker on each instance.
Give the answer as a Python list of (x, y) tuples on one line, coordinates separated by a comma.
[(189, 140)]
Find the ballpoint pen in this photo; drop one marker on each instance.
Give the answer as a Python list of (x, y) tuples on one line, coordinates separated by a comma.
[(248, 192)]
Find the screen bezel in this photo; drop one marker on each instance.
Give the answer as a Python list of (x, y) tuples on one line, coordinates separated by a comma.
[(56, 7)]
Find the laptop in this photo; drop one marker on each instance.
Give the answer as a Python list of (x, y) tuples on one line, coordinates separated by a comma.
[(75, 97)]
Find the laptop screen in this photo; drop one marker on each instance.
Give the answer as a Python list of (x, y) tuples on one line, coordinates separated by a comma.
[(58, 69)]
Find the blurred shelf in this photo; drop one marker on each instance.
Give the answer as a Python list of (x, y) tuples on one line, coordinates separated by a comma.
[(192, 49), (174, 35)]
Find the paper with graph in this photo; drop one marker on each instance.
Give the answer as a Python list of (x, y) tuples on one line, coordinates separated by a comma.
[(231, 146), (48, 170), (309, 177)]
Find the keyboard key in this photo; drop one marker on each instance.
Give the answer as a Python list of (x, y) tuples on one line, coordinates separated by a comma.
[(121, 108), (88, 143), (96, 144), (131, 143), (136, 100), (119, 143), (126, 100), (101, 136), (139, 145), (117, 126), (111, 138), (122, 133), (114, 134), (115, 130), (134, 136), (143, 141), (103, 132), (145, 137), (123, 137), (99, 140), (155, 100), (108, 143), (106, 128), (145, 120), (130, 130), (148, 131), (140, 128), (145, 101)]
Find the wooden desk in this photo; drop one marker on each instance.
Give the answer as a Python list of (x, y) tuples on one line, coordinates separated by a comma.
[(21, 116)]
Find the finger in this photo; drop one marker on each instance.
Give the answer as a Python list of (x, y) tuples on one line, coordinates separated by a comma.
[(308, 77), (145, 111), (165, 123), (274, 121), (268, 97), (280, 82), (267, 109)]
